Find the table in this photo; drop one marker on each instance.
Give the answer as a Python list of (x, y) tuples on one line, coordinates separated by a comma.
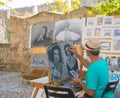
[(38, 84)]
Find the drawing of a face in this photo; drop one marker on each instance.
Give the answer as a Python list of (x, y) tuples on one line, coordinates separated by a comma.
[(43, 31), (56, 55), (66, 25), (67, 52)]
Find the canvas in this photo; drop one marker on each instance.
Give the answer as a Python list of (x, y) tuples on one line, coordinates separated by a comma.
[(63, 64)]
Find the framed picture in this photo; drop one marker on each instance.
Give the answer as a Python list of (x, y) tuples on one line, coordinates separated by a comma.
[(116, 32), (98, 32), (91, 21), (108, 20), (99, 20), (117, 21), (116, 45), (113, 62), (105, 45), (107, 32), (89, 31)]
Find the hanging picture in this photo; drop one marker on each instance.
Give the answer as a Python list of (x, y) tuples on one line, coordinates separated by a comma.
[(108, 20), (107, 32), (91, 21), (113, 62), (69, 30), (105, 45), (41, 34), (116, 32), (116, 45)]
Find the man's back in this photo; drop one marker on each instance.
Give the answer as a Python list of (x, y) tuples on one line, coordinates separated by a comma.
[(97, 78)]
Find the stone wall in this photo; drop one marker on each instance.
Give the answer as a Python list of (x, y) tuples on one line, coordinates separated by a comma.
[(16, 55)]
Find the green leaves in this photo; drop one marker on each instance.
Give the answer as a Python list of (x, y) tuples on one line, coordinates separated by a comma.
[(107, 8), (2, 3), (66, 6)]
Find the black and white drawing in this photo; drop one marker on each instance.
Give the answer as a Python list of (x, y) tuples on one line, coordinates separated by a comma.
[(61, 61), (69, 30), (39, 61), (113, 62), (41, 34)]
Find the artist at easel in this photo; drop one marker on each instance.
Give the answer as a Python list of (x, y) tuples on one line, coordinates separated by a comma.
[(97, 73)]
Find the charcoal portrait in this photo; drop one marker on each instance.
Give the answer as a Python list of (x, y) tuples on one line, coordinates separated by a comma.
[(61, 61), (71, 61), (41, 34)]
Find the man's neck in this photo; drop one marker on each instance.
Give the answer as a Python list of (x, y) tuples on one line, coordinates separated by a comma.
[(95, 58)]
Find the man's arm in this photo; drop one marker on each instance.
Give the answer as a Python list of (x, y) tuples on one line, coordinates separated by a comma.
[(79, 81), (82, 60)]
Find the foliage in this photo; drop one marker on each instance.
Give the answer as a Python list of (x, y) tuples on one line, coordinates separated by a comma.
[(3, 3), (67, 6), (111, 7)]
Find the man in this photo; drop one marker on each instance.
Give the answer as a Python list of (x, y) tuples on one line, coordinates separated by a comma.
[(97, 76)]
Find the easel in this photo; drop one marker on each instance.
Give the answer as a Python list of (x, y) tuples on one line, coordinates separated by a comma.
[(40, 82)]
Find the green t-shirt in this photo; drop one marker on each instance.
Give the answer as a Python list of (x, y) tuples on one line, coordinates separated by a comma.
[(97, 78)]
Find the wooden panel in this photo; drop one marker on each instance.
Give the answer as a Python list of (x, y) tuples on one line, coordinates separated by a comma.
[(38, 50)]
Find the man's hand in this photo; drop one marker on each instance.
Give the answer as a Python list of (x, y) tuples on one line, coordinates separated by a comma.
[(77, 80), (73, 50)]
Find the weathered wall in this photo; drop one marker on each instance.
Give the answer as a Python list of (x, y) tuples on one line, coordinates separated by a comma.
[(16, 56)]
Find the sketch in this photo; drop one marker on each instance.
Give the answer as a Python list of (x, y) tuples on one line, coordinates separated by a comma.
[(105, 45), (59, 58), (98, 31), (90, 21), (69, 30), (116, 45), (107, 32), (113, 62), (108, 20), (71, 61), (39, 61), (89, 31), (41, 34), (116, 32), (99, 20)]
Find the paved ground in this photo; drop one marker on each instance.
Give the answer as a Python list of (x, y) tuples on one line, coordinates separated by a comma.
[(13, 86)]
